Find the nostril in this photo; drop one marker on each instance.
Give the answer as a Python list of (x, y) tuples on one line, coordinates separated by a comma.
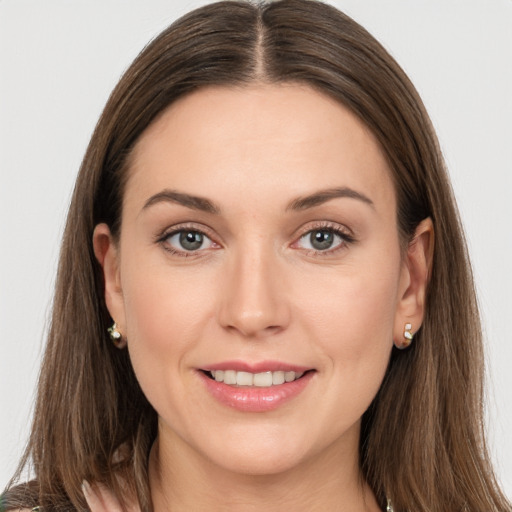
[(253, 328)]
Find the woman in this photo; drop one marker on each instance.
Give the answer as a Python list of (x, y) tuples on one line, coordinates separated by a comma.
[(261, 216)]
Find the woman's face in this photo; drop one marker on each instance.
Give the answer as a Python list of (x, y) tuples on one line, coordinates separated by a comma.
[(259, 238)]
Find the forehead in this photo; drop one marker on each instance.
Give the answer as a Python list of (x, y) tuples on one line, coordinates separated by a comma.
[(258, 139)]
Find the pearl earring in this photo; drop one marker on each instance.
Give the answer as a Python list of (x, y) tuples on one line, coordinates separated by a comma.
[(408, 337), (116, 336)]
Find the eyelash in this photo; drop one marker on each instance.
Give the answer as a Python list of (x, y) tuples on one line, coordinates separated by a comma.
[(335, 229), (346, 237), (162, 239)]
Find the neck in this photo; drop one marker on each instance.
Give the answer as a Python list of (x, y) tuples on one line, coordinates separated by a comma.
[(181, 481)]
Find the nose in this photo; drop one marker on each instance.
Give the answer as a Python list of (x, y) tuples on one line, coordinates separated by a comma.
[(253, 296)]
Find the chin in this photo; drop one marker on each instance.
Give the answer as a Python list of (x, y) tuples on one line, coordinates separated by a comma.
[(261, 453), (260, 464)]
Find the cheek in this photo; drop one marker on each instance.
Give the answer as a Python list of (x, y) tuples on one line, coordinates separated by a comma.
[(164, 307), (350, 315), (164, 314), (354, 309)]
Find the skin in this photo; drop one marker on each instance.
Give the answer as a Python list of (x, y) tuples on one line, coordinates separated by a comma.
[(257, 290)]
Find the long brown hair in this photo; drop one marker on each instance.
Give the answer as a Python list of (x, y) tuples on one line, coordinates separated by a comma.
[(422, 440)]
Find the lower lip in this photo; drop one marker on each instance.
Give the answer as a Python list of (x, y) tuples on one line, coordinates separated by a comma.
[(255, 399)]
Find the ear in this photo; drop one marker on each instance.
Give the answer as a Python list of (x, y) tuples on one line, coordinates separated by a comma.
[(414, 278), (107, 254)]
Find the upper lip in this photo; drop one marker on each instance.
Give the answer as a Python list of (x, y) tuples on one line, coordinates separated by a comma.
[(256, 367)]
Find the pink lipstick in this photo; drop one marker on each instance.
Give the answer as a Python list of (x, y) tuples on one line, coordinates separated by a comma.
[(255, 387)]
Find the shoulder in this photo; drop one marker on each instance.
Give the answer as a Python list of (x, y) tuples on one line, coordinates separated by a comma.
[(101, 499), (20, 498)]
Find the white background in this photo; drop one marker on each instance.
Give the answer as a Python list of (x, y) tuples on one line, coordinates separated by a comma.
[(59, 59)]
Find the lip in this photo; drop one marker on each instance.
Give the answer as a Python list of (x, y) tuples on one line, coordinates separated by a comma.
[(255, 399), (261, 366)]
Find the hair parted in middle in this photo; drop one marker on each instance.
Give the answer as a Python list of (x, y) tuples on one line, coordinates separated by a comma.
[(421, 440)]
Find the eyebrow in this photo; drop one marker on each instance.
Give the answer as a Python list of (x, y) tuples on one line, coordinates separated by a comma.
[(322, 196), (301, 203), (190, 201)]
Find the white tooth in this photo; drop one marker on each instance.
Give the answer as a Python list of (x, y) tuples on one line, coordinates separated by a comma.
[(219, 375), (263, 380), (244, 378), (212, 373), (277, 378), (298, 375), (230, 377), (289, 376)]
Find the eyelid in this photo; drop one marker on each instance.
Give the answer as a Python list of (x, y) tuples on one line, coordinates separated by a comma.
[(169, 231), (184, 226), (326, 224), (340, 230)]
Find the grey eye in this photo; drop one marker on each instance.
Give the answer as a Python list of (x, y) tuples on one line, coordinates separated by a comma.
[(189, 241), (320, 240)]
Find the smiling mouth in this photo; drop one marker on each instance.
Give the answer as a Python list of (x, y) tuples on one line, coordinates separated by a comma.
[(246, 379)]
